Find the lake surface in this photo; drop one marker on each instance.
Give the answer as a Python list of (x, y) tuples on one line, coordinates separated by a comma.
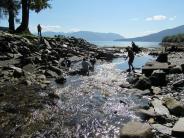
[(125, 44)]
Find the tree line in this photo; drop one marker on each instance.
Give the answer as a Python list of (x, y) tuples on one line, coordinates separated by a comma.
[(10, 9), (174, 38)]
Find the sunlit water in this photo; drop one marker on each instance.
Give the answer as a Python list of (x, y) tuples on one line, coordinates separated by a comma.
[(124, 44), (95, 105)]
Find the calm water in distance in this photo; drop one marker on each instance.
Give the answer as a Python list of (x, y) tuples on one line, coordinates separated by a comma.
[(125, 44)]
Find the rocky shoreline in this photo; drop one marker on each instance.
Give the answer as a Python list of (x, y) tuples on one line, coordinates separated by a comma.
[(27, 103)]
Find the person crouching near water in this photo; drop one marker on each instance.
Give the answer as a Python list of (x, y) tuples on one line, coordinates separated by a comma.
[(85, 67), (130, 57)]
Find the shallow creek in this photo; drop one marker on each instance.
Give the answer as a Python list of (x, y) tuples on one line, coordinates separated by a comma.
[(95, 105)]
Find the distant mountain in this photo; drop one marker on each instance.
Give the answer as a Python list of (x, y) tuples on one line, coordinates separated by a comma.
[(89, 36), (156, 37)]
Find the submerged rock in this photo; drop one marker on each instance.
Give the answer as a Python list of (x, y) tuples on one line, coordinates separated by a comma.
[(136, 130)]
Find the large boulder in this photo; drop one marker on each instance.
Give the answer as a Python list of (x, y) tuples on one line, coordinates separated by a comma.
[(143, 83), (178, 129), (175, 107), (136, 130), (158, 78)]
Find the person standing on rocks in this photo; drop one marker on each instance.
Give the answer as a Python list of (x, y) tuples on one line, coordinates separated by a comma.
[(39, 28), (131, 59), (85, 67), (92, 61)]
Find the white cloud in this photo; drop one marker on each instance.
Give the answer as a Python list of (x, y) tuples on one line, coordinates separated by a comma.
[(157, 18)]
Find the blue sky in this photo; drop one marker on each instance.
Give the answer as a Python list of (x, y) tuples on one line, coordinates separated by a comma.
[(129, 18)]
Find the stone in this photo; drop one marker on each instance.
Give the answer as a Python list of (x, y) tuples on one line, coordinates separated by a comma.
[(136, 130), (60, 80), (17, 73), (163, 57), (182, 67), (56, 70), (178, 129), (51, 74), (156, 90), (159, 108), (41, 77), (158, 78), (143, 83), (162, 129), (147, 113), (175, 107), (176, 70), (53, 95), (179, 83), (47, 44)]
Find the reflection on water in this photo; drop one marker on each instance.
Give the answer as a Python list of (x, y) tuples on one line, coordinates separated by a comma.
[(95, 105)]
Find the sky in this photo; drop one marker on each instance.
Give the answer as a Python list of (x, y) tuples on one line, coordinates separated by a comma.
[(129, 18)]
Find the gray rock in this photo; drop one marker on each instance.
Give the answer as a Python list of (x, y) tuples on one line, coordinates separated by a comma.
[(156, 90), (182, 67), (162, 129), (159, 108), (56, 70), (175, 107), (179, 83), (60, 80), (158, 78), (51, 74), (178, 129), (176, 70), (47, 44), (143, 83), (132, 130)]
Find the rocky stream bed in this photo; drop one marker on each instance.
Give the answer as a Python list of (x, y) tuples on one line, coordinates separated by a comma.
[(107, 103)]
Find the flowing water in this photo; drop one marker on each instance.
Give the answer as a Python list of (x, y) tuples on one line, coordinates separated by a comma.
[(95, 105)]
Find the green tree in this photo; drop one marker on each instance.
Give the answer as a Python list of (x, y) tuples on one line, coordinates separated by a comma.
[(27, 5), (9, 8)]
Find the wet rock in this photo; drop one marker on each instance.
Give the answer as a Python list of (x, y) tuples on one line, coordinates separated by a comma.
[(162, 129), (158, 78), (159, 108), (143, 83), (179, 83), (60, 80), (132, 130), (178, 129), (175, 107), (125, 85)]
